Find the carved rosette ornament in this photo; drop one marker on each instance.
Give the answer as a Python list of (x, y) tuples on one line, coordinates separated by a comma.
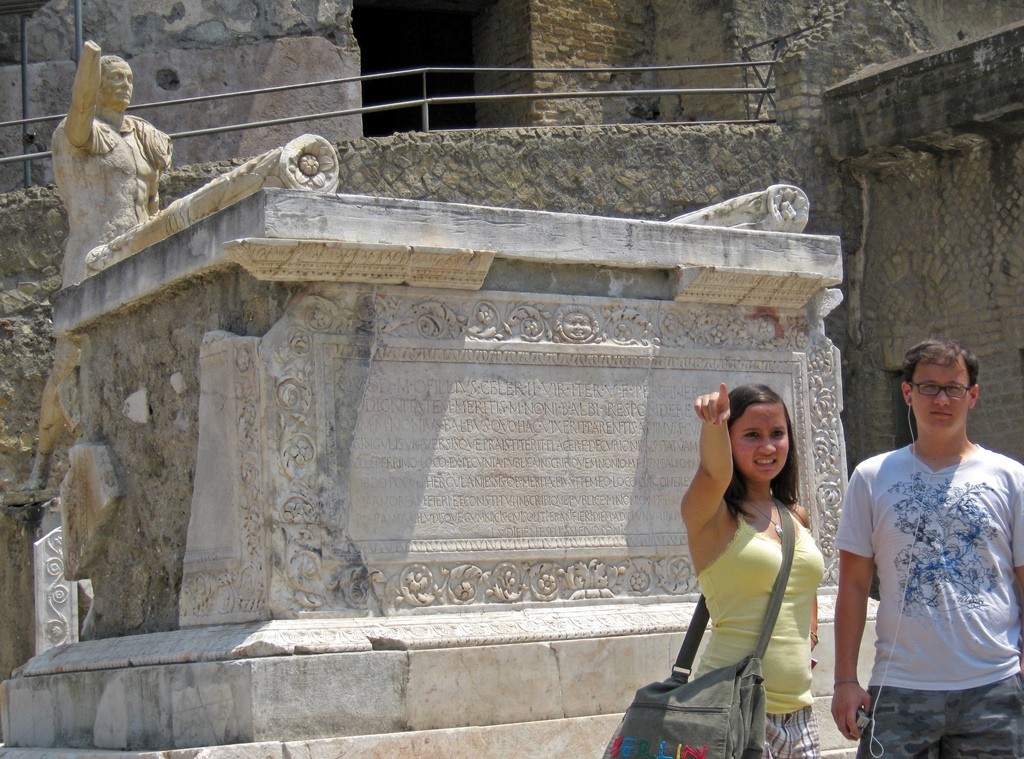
[(309, 163), (56, 598), (422, 585)]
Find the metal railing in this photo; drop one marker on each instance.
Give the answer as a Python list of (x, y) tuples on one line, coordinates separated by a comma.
[(754, 97), (776, 45)]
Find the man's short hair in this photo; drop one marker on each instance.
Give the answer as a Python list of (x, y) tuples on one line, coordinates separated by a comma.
[(109, 61), (942, 351)]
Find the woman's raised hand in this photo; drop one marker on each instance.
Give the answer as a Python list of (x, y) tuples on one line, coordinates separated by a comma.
[(713, 407)]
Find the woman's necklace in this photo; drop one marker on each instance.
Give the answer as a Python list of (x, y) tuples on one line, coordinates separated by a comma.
[(778, 527)]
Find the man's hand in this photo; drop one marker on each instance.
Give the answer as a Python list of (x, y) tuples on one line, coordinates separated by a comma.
[(847, 698), (84, 92)]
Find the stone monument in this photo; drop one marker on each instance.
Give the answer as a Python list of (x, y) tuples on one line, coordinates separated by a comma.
[(433, 495)]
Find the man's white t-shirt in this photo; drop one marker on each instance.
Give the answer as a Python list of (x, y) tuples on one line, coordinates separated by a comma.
[(945, 545)]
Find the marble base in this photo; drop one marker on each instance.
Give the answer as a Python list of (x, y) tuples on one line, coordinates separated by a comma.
[(298, 697), (582, 737), (578, 737), (544, 698)]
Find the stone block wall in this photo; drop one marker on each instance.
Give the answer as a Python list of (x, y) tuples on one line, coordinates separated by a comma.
[(943, 256), (501, 38), (676, 44)]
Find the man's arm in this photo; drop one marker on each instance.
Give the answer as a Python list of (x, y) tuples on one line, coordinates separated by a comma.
[(855, 573), (1020, 582), (84, 92)]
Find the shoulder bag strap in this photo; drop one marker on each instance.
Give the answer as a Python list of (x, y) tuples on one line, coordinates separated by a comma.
[(779, 589), (699, 621), (688, 651)]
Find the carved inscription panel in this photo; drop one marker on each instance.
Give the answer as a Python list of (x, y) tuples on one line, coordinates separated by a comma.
[(425, 449), (532, 454)]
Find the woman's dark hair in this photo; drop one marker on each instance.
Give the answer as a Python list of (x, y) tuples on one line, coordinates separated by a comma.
[(785, 485)]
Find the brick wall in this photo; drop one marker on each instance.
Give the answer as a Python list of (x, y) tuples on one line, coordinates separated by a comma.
[(591, 33)]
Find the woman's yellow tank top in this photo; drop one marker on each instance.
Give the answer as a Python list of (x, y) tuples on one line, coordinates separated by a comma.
[(737, 585)]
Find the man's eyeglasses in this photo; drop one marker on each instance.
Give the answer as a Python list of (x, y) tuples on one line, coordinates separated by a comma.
[(952, 391)]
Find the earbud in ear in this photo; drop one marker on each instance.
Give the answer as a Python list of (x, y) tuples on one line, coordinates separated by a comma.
[(907, 399)]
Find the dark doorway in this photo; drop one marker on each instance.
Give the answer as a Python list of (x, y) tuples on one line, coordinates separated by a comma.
[(392, 39), (905, 430)]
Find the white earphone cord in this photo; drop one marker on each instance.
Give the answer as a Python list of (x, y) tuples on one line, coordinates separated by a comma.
[(906, 587)]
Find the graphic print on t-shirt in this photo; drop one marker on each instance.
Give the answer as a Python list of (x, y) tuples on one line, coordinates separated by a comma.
[(942, 568)]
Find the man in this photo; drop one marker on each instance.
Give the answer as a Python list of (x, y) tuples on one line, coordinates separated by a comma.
[(107, 166), (943, 522)]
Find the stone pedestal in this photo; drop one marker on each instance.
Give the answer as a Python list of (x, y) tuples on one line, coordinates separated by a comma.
[(441, 490)]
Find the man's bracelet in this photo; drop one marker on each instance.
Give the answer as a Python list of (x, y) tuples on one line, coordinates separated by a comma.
[(840, 682)]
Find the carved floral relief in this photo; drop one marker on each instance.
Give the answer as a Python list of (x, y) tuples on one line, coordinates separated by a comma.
[(335, 340)]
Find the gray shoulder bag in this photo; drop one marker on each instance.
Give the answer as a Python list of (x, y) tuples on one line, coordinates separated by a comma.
[(721, 714)]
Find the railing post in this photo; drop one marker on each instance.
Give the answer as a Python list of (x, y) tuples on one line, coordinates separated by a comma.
[(78, 30), (425, 108), (24, 100)]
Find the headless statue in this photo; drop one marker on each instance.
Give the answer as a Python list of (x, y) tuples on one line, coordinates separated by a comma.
[(107, 166)]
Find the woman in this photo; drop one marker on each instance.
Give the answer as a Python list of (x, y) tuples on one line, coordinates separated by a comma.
[(747, 464)]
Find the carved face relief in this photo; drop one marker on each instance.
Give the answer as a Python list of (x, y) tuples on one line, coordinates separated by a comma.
[(116, 85), (576, 325)]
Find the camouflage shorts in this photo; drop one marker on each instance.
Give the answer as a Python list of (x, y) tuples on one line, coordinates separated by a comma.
[(986, 722)]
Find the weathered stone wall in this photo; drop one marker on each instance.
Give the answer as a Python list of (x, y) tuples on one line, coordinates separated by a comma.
[(144, 350), (943, 256), (638, 170), (35, 228), (142, 26), (880, 225), (949, 23), (675, 44)]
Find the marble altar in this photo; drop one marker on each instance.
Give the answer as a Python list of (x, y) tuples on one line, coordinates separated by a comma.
[(439, 493)]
